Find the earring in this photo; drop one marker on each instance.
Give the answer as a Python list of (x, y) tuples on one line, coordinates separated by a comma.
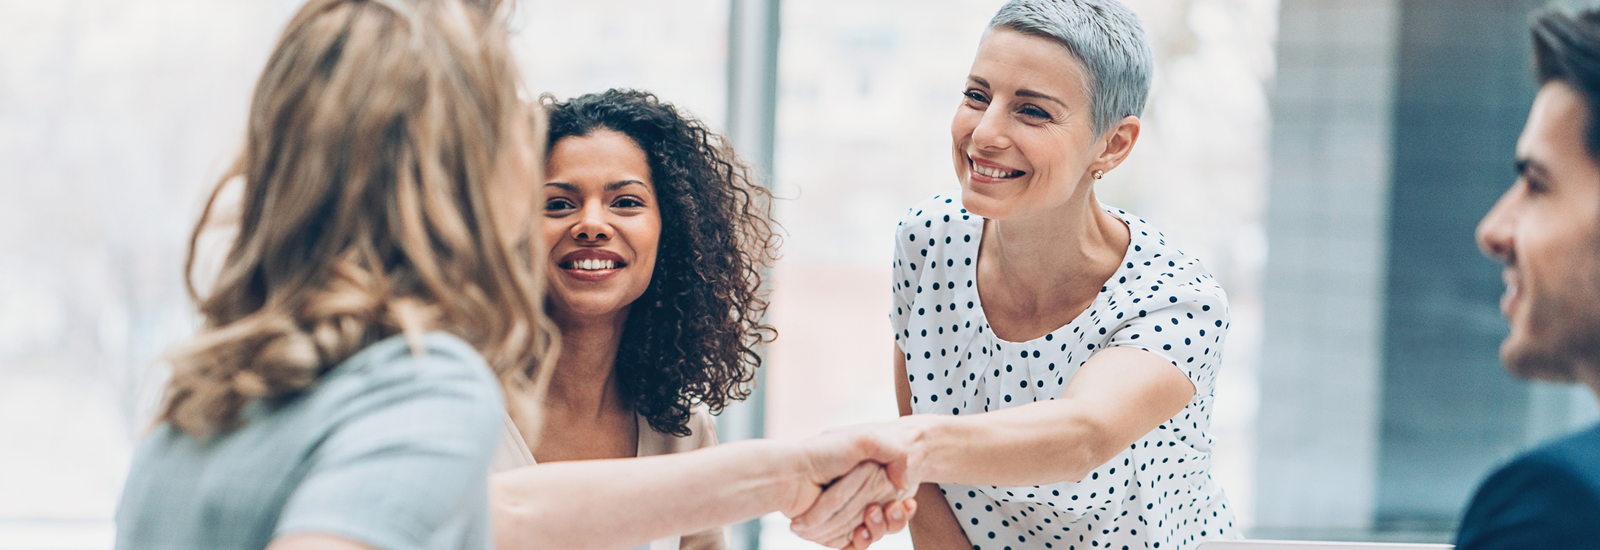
[(1099, 174)]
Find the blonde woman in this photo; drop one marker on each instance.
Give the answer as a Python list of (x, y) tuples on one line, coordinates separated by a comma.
[(376, 312), (346, 388)]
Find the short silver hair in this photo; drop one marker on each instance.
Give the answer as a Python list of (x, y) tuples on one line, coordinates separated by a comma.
[(1105, 36)]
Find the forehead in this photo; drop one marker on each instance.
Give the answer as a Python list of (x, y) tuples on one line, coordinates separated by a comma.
[(1554, 134), (1008, 59), (600, 151)]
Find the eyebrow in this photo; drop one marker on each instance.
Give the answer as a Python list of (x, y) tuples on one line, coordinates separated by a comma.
[(613, 186), (1037, 95)]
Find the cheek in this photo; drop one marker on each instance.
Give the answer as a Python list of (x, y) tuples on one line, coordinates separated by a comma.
[(648, 237), (963, 124), (551, 232)]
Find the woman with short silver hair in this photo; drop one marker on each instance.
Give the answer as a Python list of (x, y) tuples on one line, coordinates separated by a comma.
[(1056, 356)]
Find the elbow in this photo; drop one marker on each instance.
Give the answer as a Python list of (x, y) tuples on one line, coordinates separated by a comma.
[(1094, 444), (513, 519)]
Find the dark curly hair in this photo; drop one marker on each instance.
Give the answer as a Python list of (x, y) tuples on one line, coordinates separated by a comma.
[(692, 336)]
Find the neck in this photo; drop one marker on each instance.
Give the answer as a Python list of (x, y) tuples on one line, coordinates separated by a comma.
[(584, 382), (1038, 254)]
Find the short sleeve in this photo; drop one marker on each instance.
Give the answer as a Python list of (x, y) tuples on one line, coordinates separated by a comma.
[(1183, 324), (406, 461), (905, 278), (1534, 502)]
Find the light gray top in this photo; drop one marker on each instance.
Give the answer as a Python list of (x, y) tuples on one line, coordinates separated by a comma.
[(390, 449)]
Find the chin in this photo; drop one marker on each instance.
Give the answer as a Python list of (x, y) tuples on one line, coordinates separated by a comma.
[(587, 304), (983, 205), (1529, 360)]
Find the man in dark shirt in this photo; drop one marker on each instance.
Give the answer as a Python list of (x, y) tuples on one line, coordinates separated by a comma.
[(1546, 230)]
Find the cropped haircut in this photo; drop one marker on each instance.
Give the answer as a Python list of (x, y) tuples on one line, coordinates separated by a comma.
[(692, 336), (1105, 36), (1566, 48), (376, 134)]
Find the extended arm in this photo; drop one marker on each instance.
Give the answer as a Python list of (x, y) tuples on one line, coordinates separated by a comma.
[(1117, 397), (613, 504)]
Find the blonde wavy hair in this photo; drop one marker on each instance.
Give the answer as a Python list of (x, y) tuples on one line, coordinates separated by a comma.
[(376, 136)]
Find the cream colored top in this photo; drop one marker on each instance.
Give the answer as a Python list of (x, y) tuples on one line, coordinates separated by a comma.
[(514, 453)]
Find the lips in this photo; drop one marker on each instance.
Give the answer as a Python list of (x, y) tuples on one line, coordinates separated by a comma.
[(591, 264), (988, 172)]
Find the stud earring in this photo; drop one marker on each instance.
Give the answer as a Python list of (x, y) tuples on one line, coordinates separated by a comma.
[(1098, 174)]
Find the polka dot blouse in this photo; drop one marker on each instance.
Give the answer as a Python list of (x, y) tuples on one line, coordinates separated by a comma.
[(1158, 493)]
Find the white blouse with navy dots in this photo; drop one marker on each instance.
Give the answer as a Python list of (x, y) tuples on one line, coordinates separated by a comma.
[(1158, 493)]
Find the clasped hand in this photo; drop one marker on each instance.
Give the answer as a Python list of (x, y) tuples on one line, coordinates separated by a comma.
[(858, 491)]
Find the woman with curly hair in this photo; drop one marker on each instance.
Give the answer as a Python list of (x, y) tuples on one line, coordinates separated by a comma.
[(655, 241)]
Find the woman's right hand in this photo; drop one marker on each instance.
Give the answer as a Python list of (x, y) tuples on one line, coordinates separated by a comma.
[(857, 490)]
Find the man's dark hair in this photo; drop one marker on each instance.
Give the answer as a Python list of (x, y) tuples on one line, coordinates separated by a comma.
[(1566, 47)]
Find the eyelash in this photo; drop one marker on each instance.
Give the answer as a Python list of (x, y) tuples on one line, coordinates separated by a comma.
[(559, 204), (1535, 187), (1030, 111)]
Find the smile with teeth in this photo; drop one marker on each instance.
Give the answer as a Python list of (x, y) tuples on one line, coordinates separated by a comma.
[(992, 172), (591, 264)]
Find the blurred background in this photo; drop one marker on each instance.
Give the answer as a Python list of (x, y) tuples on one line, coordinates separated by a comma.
[(1327, 159)]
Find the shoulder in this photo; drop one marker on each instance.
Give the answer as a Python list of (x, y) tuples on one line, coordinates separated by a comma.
[(432, 356), (439, 365), (1579, 452), (1549, 496), (932, 215), (1574, 459), (1156, 269)]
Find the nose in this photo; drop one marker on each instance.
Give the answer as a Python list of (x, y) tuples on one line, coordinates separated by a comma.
[(1496, 229), (991, 130), (592, 224)]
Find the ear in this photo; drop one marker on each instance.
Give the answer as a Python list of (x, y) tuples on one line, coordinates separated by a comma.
[(1119, 142)]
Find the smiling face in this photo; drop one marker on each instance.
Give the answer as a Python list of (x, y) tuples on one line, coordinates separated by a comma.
[(1546, 230), (1024, 136), (601, 224)]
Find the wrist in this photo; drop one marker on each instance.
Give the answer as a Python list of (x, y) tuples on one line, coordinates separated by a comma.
[(792, 472), (921, 441)]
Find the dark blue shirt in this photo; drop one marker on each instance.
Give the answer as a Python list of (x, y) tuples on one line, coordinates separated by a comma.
[(1548, 499)]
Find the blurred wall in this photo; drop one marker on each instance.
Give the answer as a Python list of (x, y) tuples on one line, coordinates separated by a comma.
[(1327, 221), (115, 115)]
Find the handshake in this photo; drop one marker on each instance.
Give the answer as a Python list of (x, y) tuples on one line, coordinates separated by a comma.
[(855, 486)]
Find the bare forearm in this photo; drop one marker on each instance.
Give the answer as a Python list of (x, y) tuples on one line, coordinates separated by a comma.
[(935, 526), (613, 504), (1117, 397), (1034, 444)]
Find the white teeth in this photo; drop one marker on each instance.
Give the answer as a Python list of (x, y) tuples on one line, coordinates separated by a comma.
[(593, 265), (991, 172)]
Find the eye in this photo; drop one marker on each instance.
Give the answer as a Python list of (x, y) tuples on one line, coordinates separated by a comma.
[(1033, 112), (558, 204), (976, 97), (628, 202), (1535, 186)]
